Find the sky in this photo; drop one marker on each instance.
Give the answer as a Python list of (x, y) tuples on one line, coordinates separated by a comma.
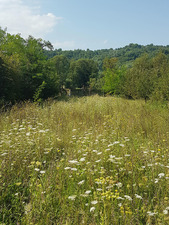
[(88, 24)]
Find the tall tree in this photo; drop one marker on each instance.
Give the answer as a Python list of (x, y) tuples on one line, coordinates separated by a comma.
[(81, 71)]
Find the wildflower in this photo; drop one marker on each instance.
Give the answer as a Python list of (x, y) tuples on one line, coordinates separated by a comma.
[(120, 198), (121, 145), (92, 209), (88, 192), (99, 153), (73, 161), (97, 161), (74, 169), (165, 212), (151, 213), (94, 202), (82, 160), (116, 142), (67, 168), (72, 197), (99, 189), (138, 196), (110, 145), (81, 182), (119, 185), (42, 171), (4, 154), (128, 197), (37, 169), (161, 175), (112, 156), (95, 150)]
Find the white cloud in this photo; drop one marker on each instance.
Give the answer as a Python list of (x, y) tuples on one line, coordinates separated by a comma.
[(65, 45), (21, 18)]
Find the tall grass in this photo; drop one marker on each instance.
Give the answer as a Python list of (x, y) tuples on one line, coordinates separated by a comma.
[(91, 160)]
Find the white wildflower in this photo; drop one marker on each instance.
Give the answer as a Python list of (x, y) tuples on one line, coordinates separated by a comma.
[(119, 185), (116, 142), (120, 198), (67, 168), (160, 175), (3, 154), (156, 181), (94, 202), (74, 169), (127, 155), (97, 161), (73, 161), (82, 160), (92, 209), (151, 213), (138, 196), (128, 197), (110, 145), (81, 182), (42, 171), (165, 212), (99, 189), (88, 192), (37, 169), (121, 145), (99, 153), (112, 156), (72, 197), (94, 151)]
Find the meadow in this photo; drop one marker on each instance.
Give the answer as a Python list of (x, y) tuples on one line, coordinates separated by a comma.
[(90, 160)]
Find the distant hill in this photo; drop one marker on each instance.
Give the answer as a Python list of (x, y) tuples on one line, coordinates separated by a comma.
[(125, 55)]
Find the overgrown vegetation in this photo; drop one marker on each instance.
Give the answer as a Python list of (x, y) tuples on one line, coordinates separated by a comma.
[(92, 160), (31, 70)]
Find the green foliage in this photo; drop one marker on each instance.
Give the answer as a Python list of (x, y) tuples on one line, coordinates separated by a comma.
[(81, 71), (61, 67), (113, 76), (26, 65)]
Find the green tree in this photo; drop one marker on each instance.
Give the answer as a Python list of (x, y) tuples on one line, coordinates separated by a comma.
[(81, 71), (140, 79), (61, 65), (112, 76), (161, 70)]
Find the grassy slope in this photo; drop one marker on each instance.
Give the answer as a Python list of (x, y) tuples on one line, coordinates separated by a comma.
[(91, 160)]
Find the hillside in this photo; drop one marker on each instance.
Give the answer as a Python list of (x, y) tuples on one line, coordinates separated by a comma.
[(126, 54)]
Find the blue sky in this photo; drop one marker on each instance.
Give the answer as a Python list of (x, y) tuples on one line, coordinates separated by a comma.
[(93, 24)]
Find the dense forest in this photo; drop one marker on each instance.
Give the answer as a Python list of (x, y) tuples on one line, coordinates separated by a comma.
[(30, 69)]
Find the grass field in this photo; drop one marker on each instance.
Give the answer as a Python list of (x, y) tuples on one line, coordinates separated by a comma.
[(92, 160)]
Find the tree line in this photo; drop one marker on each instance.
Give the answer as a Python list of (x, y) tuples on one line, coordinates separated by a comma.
[(30, 69)]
